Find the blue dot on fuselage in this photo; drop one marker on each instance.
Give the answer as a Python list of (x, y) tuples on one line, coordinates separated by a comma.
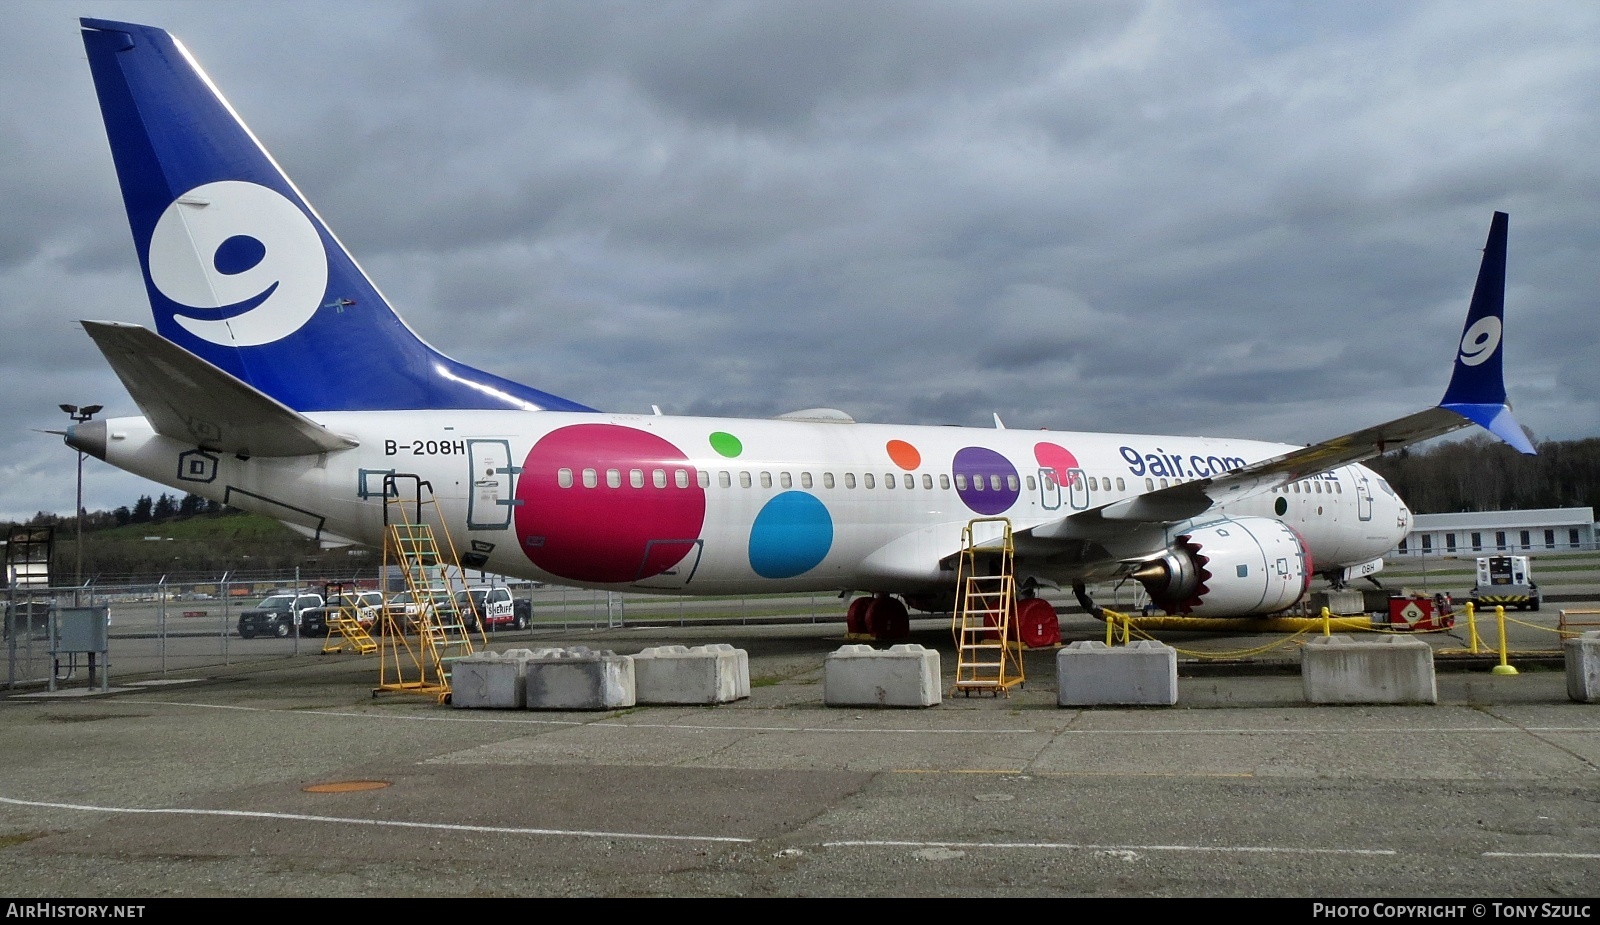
[(791, 536), (238, 254)]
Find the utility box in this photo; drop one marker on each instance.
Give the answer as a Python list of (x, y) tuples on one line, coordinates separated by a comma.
[(82, 631)]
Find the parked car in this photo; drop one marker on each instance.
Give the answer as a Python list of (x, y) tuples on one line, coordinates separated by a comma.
[(277, 614), (366, 606), (405, 611), (493, 607)]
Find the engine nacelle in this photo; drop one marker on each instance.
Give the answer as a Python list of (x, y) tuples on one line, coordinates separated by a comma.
[(1232, 568)]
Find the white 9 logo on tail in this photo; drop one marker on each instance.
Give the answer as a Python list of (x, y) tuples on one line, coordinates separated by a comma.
[(1478, 343), (224, 245)]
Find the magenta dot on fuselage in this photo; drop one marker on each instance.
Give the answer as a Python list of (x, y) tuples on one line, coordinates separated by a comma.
[(1057, 459), (574, 523)]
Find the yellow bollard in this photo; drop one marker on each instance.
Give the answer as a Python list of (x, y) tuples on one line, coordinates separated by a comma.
[(1111, 623), (1327, 630), (1472, 628), (1500, 618)]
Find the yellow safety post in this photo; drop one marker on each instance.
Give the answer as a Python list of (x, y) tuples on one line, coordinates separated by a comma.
[(1127, 629), (1111, 625), (1327, 622), (1500, 618), (1472, 628)]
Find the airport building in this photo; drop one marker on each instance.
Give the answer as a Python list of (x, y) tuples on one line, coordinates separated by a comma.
[(1562, 529)]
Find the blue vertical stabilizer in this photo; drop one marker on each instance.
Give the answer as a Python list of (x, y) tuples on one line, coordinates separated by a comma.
[(1477, 389), (240, 270)]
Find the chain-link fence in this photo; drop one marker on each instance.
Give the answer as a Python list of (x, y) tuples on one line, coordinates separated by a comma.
[(172, 626)]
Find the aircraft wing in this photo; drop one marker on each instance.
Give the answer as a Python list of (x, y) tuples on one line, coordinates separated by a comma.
[(1191, 499), (188, 399), (1476, 395)]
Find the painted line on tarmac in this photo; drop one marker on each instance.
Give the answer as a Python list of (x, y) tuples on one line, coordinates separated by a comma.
[(1068, 846), (604, 724), (384, 823), (1542, 854)]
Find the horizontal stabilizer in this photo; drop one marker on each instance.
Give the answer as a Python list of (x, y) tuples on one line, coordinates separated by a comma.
[(188, 399)]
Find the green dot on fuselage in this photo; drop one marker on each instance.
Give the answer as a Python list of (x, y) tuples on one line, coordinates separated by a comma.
[(726, 444)]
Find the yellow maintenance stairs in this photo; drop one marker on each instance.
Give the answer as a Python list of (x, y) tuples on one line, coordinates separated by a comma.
[(344, 622), (987, 658), (420, 640)]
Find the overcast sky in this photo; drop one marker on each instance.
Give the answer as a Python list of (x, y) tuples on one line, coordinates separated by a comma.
[(1251, 219)]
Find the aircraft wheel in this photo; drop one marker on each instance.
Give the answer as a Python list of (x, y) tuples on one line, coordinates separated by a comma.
[(855, 618), (1037, 623), (887, 619)]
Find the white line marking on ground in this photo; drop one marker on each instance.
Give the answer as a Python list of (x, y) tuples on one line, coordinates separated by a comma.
[(1542, 854), (1067, 846), (386, 823)]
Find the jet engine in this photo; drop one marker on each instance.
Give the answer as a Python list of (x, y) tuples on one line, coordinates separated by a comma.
[(1231, 568)]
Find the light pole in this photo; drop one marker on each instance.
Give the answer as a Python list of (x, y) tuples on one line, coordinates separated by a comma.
[(80, 415)]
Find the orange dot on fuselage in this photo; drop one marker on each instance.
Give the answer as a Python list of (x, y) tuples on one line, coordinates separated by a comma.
[(904, 454)]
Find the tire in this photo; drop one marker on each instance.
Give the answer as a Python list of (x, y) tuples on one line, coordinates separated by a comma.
[(282, 629), (245, 635), (521, 622)]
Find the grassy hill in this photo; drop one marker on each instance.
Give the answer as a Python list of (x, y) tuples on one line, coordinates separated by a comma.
[(203, 546)]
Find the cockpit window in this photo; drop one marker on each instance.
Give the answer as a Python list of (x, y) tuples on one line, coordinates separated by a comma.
[(1386, 489)]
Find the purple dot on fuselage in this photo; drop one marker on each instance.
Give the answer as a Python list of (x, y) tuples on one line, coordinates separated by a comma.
[(975, 466)]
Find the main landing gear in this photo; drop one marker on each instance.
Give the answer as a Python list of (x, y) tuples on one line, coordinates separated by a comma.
[(884, 618)]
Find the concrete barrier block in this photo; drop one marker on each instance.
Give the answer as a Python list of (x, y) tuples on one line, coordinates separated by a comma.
[(579, 678), (1583, 667), (905, 675), (704, 674), (489, 681), (1095, 674), (1386, 669)]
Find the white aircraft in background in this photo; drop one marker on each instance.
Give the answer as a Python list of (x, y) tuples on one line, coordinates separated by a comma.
[(282, 382)]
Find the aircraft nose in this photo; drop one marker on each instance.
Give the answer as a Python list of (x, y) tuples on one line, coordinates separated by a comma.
[(88, 437)]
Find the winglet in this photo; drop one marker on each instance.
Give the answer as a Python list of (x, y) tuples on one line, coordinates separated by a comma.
[(1477, 389)]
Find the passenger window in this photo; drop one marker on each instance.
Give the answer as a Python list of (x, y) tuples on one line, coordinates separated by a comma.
[(927, 482), (944, 482), (744, 480), (805, 480), (1031, 484), (1163, 483), (704, 479), (766, 480), (636, 478), (849, 480), (681, 478), (564, 478), (827, 480), (724, 479), (1011, 483), (961, 482), (910, 480), (613, 478), (658, 478), (867, 481), (1120, 486), (1149, 484), (978, 483), (589, 480), (888, 480), (784, 481)]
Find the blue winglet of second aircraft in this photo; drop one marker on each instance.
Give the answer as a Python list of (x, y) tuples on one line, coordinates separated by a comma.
[(1477, 389)]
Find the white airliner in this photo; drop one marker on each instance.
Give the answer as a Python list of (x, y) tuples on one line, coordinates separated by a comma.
[(282, 382)]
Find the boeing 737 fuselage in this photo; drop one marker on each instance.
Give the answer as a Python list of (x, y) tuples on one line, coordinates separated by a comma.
[(280, 380)]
